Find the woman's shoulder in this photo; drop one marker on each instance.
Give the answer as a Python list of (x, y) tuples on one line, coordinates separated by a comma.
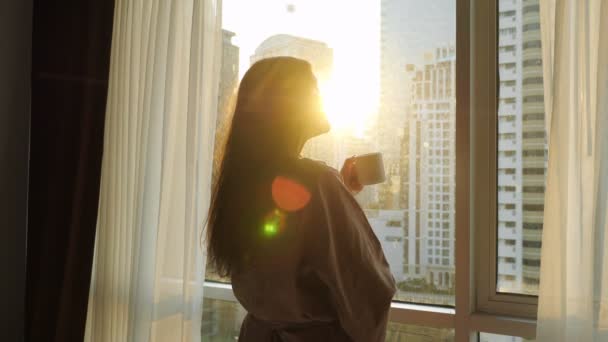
[(318, 172), (324, 179)]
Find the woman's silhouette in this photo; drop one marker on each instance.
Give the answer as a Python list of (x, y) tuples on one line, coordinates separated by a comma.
[(302, 257)]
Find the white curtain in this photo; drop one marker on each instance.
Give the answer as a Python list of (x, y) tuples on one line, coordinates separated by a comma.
[(149, 269), (573, 298)]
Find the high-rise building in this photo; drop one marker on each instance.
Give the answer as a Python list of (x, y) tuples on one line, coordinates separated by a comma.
[(320, 56), (393, 80), (227, 88), (229, 77), (427, 166), (317, 53), (388, 227), (522, 147)]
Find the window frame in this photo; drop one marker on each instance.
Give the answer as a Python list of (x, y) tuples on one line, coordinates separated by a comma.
[(484, 166), (478, 307)]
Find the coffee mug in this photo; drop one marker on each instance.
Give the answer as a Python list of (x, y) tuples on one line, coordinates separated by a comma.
[(370, 168)]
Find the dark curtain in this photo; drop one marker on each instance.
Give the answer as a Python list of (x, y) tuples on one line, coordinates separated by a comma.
[(70, 67), (15, 52)]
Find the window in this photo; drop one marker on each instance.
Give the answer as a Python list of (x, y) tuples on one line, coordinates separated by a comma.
[(485, 337), (516, 219), (531, 27), (393, 239), (535, 44), (532, 62), (532, 9), (533, 80), (418, 124), (422, 85), (535, 116)]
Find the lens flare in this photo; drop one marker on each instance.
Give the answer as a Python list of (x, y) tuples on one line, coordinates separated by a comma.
[(289, 195), (274, 222), (270, 229)]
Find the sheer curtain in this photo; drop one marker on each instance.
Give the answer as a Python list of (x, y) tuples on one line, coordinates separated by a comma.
[(573, 303), (148, 268)]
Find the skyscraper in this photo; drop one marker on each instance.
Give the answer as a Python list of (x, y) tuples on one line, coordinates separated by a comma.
[(427, 165), (393, 81), (317, 53), (227, 87), (522, 148), (229, 76)]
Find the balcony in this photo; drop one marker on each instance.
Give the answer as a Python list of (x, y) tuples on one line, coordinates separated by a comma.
[(507, 233), (532, 53), (506, 127), (533, 71), (507, 108), (507, 39), (506, 144), (508, 75), (507, 215), (507, 251), (531, 35), (508, 196), (533, 89), (531, 17), (532, 253), (534, 144), (534, 180), (534, 162), (532, 234), (534, 198), (507, 162), (533, 217), (507, 269), (507, 92), (531, 271), (534, 126), (507, 22), (506, 179), (507, 5), (533, 107)]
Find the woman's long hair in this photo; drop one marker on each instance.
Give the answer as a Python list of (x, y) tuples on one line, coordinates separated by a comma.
[(277, 109)]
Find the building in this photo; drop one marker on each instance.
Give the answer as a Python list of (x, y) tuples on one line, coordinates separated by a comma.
[(317, 53), (229, 77), (393, 81), (427, 167), (320, 56), (522, 147), (227, 88), (388, 227)]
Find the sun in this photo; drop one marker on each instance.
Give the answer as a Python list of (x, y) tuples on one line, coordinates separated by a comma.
[(350, 94), (348, 104)]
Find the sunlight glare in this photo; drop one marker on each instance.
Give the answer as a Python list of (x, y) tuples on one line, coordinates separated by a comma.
[(349, 99)]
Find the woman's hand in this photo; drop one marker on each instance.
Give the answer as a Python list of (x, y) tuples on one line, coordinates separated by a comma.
[(349, 176)]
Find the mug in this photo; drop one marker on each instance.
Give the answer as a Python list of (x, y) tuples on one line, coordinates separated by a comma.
[(370, 168)]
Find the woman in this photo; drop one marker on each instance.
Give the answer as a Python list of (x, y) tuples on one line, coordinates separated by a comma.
[(303, 259)]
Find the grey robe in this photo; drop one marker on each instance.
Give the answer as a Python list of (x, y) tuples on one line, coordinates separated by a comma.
[(323, 277)]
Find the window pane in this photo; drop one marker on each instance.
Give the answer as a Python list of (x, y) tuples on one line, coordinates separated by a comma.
[(522, 147), (396, 332), (386, 71), (222, 322), (485, 337)]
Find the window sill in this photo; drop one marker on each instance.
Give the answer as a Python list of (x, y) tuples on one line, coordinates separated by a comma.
[(422, 315)]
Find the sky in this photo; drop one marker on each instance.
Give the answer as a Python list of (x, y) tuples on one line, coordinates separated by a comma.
[(352, 29)]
